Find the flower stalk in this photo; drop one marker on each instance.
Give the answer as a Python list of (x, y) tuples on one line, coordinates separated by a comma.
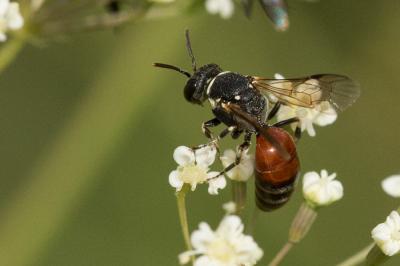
[(181, 202), (301, 224), (281, 254), (357, 258)]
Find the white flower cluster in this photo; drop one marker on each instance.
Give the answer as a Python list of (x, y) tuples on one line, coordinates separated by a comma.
[(387, 235), (10, 18), (224, 8), (226, 246), (193, 169), (321, 190), (322, 115)]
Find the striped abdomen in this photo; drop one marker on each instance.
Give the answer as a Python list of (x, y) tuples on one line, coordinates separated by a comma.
[(275, 174)]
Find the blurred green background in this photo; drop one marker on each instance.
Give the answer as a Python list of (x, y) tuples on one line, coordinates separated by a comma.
[(88, 128)]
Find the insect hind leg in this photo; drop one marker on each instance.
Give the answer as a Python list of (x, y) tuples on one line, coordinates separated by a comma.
[(274, 111), (297, 132)]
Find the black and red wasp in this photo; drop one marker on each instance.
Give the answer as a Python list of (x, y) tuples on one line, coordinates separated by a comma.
[(243, 104)]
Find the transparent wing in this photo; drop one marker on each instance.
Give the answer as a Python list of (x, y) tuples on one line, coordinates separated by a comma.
[(310, 91)]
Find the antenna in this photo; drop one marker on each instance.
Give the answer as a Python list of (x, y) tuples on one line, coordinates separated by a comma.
[(187, 74), (190, 51)]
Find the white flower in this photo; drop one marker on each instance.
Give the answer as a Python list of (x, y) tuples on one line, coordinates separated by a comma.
[(241, 172), (224, 8), (321, 190), (387, 235), (10, 18), (193, 167), (227, 246), (322, 115), (229, 207), (391, 185)]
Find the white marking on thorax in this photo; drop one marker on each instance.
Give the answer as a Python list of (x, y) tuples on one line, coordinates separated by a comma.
[(237, 97), (212, 102), (212, 81)]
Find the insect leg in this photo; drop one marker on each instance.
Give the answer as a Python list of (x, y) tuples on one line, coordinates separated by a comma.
[(273, 111), (286, 122), (297, 132), (236, 133), (242, 147), (207, 132), (206, 127), (223, 134)]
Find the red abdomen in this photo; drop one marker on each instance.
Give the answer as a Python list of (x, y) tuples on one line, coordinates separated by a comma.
[(275, 173)]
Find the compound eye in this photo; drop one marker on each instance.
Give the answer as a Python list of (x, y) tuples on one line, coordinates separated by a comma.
[(189, 90)]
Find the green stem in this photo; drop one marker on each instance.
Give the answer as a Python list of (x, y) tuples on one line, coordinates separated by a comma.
[(357, 258), (9, 51), (281, 254), (180, 197)]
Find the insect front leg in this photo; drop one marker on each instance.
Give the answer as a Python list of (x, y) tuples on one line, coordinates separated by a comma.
[(205, 127), (214, 140), (297, 132)]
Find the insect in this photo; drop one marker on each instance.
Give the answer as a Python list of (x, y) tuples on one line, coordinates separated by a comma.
[(276, 11), (243, 104)]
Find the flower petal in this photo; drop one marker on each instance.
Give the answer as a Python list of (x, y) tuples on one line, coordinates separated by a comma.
[(230, 225), (390, 248), (206, 156), (310, 178), (183, 155), (202, 237), (205, 261), (216, 183), (391, 185), (175, 181)]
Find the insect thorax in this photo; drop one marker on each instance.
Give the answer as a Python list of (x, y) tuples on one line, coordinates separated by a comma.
[(230, 87), (233, 88)]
